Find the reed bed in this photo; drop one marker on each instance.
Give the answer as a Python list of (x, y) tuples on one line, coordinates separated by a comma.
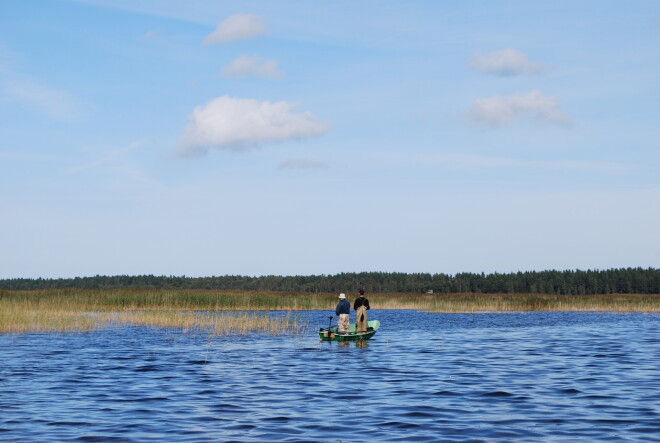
[(17, 318), (211, 322), (134, 299), (130, 299), (84, 310), (19, 321), (471, 303)]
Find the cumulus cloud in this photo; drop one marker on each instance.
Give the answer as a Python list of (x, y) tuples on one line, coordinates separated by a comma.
[(507, 62), (301, 163), (498, 110), (237, 27), (239, 123), (251, 65)]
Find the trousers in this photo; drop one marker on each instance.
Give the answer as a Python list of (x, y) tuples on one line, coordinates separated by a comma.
[(361, 319), (343, 323)]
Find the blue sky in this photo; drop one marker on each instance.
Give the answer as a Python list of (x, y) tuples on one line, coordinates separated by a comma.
[(302, 137)]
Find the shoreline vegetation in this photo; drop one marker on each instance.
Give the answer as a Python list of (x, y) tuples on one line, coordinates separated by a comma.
[(567, 282), (244, 312)]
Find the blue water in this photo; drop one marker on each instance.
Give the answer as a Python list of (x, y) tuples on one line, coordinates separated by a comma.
[(423, 377)]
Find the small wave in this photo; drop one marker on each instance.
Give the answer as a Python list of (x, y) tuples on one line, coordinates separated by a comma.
[(228, 407), (420, 414), (148, 368), (399, 425), (497, 394), (645, 430), (208, 392), (569, 391), (142, 399), (68, 423), (278, 419), (241, 427), (447, 393), (597, 397), (99, 438)]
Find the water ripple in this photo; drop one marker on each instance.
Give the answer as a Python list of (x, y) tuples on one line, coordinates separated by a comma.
[(424, 377)]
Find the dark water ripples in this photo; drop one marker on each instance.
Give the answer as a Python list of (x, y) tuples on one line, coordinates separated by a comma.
[(424, 377)]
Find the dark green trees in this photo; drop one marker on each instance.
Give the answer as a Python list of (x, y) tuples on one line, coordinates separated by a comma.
[(569, 282)]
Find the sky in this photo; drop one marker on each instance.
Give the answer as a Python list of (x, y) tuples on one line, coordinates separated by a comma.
[(208, 138)]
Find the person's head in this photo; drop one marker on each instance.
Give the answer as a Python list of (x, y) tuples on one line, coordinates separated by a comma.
[(342, 296), (361, 291)]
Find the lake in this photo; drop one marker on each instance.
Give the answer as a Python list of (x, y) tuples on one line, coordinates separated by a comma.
[(542, 376)]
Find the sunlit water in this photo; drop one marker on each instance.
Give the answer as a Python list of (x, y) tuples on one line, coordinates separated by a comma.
[(423, 377)]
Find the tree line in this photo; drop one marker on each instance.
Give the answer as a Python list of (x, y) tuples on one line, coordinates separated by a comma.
[(568, 282)]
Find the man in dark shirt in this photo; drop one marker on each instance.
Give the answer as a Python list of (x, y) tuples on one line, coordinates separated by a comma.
[(343, 311), (361, 307)]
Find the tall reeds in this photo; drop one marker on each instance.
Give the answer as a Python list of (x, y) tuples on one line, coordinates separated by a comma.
[(211, 322), (83, 309), (130, 299), (163, 299), (467, 303)]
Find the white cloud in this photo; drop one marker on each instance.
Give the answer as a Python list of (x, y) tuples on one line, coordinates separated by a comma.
[(55, 103), (237, 27), (251, 65), (506, 62), (301, 163), (238, 123), (498, 110)]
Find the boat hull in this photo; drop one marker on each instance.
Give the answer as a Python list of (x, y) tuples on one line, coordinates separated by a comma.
[(333, 334)]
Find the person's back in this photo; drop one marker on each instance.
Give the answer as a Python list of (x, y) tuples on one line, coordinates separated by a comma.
[(343, 307), (361, 301), (343, 311)]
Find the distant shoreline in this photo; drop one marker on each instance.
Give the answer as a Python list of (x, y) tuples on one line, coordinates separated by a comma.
[(567, 282)]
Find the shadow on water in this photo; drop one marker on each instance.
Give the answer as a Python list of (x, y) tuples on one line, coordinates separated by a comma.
[(423, 377)]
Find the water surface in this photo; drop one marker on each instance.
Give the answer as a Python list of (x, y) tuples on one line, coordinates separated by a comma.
[(423, 377)]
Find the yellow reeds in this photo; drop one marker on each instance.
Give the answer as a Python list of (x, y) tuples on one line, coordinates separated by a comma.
[(85, 309), (466, 303), (15, 318), (216, 323), (24, 315)]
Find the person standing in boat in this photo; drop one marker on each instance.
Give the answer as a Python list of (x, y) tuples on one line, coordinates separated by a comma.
[(361, 307), (343, 312)]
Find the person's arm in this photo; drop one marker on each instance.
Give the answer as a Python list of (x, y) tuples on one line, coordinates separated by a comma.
[(366, 304)]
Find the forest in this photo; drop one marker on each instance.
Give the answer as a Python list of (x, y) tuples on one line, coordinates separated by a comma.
[(566, 282)]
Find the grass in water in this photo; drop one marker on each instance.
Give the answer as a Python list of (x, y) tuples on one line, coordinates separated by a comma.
[(212, 322), (467, 303), (84, 310), (73, 310)]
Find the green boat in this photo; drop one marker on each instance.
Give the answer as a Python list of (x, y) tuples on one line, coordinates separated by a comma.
[(333, 335)]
